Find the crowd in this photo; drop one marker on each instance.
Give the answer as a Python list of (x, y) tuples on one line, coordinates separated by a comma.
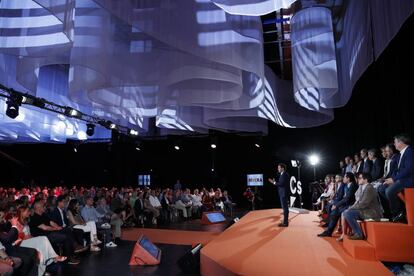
[(42, 226), (367, 188)]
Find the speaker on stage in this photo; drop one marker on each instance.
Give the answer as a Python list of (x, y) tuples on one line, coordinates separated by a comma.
[(212, 217), (145, 253), (190, 262)]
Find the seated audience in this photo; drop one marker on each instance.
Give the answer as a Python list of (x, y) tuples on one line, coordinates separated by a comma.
[(376, 169), (47, 254), (365, 207), (41, 225), (339, 206)]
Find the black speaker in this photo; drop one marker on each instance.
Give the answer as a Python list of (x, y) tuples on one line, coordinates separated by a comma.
[(190, 262)]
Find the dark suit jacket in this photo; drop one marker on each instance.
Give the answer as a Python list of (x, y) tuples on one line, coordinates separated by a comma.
[(283, 184), (393, 165), (8, 238), (405, 173), (339, 194), (56, 217), (376, 171), (349, 196), (366, 166)]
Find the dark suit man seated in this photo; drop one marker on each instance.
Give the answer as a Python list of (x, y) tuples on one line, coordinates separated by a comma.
[(59, 216), (349, 189), (339, 194), (283, 190), (365, 207), (377, 167), (366, 163), (402, 178)]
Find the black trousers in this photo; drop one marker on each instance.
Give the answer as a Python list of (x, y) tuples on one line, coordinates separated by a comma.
[(64, 237), (284, 203), (29, 259)]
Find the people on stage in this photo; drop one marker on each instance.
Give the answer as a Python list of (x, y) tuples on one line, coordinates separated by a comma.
[(283, 190)]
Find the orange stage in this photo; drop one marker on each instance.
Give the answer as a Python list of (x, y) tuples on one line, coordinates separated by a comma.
[(256, 246)]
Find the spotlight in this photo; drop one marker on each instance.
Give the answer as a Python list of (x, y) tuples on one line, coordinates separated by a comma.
[(177, 147), (213, 146), (107, 124), (112, 126), (138, 148), (133, 132), (295, 163), (314, 159), (72, 112), (257, 145), (90, 129), (75, 149), (138, 145), (12, 109)]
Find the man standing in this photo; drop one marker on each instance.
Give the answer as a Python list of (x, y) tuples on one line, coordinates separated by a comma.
[(283, 190)]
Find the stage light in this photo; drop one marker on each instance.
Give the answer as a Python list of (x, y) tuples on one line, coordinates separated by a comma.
[(138, 145), (295, 163), (90, 129), (112, 126), (213, 146), (75, 149), (72, 112), (212, 169), (177, 147), (12, 109), (314, 159), (257, 145), (133, 132), (138, 148)]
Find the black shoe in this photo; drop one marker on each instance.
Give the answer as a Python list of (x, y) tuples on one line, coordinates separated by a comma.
[(356, 237), (73, 261), (401, 218), (325, 234), (283, 225)]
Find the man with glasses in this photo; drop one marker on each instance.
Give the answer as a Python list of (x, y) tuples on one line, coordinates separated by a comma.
[(365, 207)]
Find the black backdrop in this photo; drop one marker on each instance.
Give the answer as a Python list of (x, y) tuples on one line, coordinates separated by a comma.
[(381, 106)]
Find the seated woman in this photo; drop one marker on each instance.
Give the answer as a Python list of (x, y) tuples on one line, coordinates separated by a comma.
[(46, 253), (76, 220)]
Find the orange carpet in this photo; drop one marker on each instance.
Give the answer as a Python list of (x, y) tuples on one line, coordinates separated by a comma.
[(256, 246), (170, 236)]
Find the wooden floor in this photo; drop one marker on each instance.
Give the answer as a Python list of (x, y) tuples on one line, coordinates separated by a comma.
[(256, 246)]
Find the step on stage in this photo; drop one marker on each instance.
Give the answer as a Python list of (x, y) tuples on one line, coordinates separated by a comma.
[(256, 246)]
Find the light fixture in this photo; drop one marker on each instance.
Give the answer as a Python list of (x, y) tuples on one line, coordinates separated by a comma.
[(213, 146), (69, 111), (177, 147), (13, 104), (257, 145), (112, 126), (75, 149), (90, 129), (295, 163), (133, 132), (314, 159)]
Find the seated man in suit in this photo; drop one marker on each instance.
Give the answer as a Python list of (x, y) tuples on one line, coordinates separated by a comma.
[(349, 187), (402, 178), (365, 207), (376, 170), (366, 163), (58, 215)]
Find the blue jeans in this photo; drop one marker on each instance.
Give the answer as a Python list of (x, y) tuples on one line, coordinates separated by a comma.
[(391, 192), (351, 217)]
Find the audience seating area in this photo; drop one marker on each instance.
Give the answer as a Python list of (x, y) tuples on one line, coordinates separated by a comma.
[(386, 241)]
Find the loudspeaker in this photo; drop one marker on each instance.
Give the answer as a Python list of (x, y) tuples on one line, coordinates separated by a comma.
[(212, 217), (190, 262), (145, 253)]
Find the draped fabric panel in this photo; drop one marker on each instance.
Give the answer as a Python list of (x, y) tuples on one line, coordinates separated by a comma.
[(193, 65)]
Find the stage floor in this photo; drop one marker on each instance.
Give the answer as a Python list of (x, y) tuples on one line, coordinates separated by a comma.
[(256, 246)]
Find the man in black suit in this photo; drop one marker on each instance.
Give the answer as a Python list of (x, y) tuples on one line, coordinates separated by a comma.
[(366, 163), (349, 189), (59, 216), (376, 170), (403, 177), (283, 190)]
